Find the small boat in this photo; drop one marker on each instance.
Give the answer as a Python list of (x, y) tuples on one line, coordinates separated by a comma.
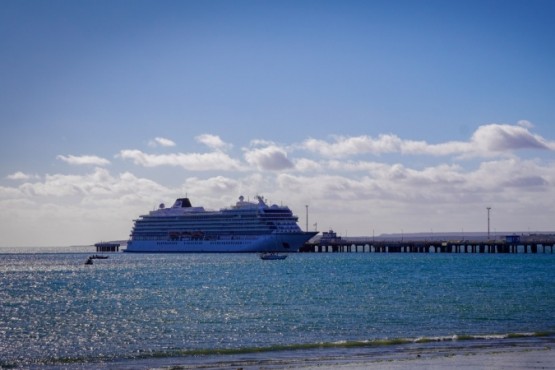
[(89, 261), (272, 256), (98, 257)]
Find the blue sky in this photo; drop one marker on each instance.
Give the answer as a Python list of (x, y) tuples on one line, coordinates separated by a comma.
[(382, 116)]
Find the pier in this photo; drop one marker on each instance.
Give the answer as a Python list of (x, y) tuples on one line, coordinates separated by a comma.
[(107, 247), (511, 244)]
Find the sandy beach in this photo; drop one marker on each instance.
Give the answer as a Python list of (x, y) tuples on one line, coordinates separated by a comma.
[(540, 357), (514, 356)]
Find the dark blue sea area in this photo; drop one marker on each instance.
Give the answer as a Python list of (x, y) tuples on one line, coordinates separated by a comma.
[(202, 310)]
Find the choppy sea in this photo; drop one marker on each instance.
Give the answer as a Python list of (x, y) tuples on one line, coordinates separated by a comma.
[(216, 310)]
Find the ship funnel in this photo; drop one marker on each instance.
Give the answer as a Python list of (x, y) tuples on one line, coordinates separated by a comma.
[(182, 203)]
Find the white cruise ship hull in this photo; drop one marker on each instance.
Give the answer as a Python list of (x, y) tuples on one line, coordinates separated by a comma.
[(276, 242)]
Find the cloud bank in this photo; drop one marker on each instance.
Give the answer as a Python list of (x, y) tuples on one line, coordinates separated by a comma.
[(345, 180), (488, 140)]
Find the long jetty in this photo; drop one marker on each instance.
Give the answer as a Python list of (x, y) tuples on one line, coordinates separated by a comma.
[(371, 245)]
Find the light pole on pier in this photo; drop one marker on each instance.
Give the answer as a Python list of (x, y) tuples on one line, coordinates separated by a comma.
[(306, 217), (489, 209)]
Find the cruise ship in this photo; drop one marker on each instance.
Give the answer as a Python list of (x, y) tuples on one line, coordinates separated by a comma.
[(245, 227)]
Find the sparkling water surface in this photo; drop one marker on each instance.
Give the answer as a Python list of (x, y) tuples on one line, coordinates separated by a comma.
[(56, 310)]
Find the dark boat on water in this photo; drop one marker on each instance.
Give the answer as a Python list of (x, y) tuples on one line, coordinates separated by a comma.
[(272, 256)]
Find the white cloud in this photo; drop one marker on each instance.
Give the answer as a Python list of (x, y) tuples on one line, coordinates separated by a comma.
[(213, 192), (213, 142), (8, 193), (160, 141), (84, 160), (502, 138), (350, 166), (525, 124), (19, 176), (271, 158), (261, 143), (347, 146), (189, 161), (304, 164)]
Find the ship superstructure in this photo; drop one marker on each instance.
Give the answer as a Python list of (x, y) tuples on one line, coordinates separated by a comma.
[(244, 227)]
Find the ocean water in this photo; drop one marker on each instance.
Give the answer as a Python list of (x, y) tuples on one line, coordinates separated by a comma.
[(157, 310)]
